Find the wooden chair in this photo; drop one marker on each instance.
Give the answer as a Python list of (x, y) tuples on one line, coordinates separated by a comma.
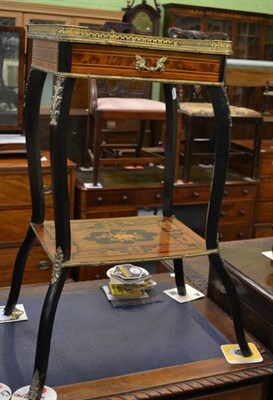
[(198, 115), (203, 114), (103, 109), (124, 106)]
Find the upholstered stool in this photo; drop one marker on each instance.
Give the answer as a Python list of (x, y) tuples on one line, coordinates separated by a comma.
[(117, 108), (202, 113)]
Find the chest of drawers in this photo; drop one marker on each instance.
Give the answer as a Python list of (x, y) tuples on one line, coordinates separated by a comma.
[(117, 198), (15, 214)]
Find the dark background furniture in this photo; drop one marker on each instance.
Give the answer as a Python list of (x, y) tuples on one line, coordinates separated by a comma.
[(252, 274), (15, 205)]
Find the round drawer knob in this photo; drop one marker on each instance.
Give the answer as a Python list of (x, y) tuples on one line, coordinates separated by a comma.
[(47, 189), (124, 198), (195, 194), (99, 199), (242, 212), (245, 191), (158, 196), (223, 213), (225, 192), (43, 265)]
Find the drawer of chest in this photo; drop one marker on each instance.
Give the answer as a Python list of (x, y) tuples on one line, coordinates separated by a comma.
[(110, 198), (263, 230), (243, 191), (229, 232), (16, 190), (149, 197), (38, 267), (191, 194), (237, 211), (15, 222)]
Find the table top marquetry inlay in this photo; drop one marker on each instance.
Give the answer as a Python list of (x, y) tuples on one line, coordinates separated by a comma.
[(123, 240)]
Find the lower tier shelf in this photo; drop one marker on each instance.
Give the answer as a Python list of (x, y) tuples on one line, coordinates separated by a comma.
[(124, 240)]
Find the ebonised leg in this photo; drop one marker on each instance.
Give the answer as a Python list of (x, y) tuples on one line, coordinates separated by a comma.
[(46, 328), (218, 264), (169, 171), (31, 117), (222, 143), (18, 271), (63, 90)]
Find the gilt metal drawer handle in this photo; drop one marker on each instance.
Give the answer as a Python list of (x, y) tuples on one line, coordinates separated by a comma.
[(159, 65)]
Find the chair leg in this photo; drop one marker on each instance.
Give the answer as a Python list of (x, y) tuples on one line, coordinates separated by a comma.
[(188, 149), (141, 135), (257, 149), (45, 329), (218, 264), (97, 146)]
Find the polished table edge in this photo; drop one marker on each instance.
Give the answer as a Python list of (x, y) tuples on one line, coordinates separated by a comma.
[(171, 381), (74, 34)]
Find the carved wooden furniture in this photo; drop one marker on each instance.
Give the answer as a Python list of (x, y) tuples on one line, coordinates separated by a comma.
[(197, 118), (122, 105), (195, 115), (70, 52), (15, 213), (208, 379), (117, 152)]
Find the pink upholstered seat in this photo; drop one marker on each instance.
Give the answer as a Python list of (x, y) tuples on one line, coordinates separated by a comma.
[(129, 104)]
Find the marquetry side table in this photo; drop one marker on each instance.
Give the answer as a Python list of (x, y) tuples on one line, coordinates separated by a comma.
[(77, 52)]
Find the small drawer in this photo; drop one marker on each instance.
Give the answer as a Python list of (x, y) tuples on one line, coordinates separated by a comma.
[(192, 194), (263, 230), (238, 212), (149, 198), (38, 267), (16, 191), (110, 198), (15, 223), (235, 232), (243, 191)]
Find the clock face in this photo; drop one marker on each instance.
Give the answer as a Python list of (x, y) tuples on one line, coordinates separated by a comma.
[(143, 23)]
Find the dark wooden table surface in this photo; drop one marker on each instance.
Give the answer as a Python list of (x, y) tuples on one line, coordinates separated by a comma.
[(185, 381)]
